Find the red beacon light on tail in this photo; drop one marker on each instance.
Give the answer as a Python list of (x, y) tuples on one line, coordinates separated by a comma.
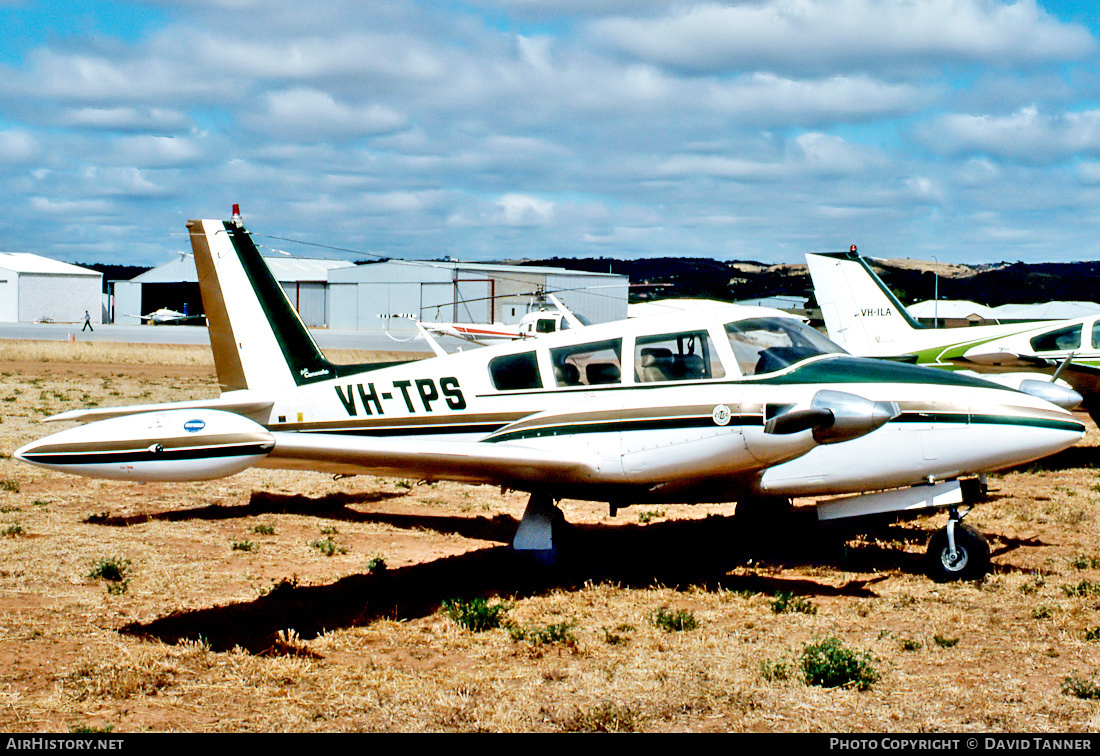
[(237, 219)]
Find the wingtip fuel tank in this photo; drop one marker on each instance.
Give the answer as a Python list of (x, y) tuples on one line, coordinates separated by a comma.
[(173, 445)]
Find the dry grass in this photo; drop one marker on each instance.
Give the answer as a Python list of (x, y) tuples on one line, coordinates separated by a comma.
[(110, 353), (104, 352), (282, 637)]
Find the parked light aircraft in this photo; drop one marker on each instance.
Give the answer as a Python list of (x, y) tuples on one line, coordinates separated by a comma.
[(864, 317), (166, 316), (701, 406)]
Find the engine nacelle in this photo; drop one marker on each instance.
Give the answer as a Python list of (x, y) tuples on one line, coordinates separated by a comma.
[(173, 445)]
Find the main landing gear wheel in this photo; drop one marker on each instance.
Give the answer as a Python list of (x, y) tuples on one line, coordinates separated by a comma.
[(968, 560)]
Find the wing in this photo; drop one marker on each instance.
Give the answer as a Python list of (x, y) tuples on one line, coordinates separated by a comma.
[(1002, 360), (1085, 380), (447, 460), (1082, 378)]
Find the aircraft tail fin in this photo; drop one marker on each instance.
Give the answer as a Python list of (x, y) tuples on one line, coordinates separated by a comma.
[(861, 314), (258, 339)]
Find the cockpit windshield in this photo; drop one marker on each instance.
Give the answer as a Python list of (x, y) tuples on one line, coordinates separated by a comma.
[(764, 345)]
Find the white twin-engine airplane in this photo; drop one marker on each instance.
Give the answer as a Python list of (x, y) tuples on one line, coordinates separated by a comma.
[(703, 406), (864, 317)]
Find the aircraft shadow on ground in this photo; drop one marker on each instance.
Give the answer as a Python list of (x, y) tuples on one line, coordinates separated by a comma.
[(676, 554), (1073, 458), (334, 506), (337, 506)]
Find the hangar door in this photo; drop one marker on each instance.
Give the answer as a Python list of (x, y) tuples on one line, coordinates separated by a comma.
[(309, 299), (181, 296), (459, 301)]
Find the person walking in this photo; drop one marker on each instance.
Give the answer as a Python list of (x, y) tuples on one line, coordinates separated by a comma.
[(87, 322)]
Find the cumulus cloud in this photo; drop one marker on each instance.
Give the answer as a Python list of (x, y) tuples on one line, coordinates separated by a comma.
[(106, 80), (126, 118), (307, 56), (146, 150), (800, 35), (779, 99), (829, 155), (17, 146), (125, 181), (1026, 135), (925, 189), (524, 210), (311, 115), (489, 128), (71, 208)]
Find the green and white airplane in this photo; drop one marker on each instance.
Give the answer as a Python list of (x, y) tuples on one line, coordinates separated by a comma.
[(722, 405), (864, 317)]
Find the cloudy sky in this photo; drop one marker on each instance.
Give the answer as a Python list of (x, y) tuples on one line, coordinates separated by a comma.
[(965, 130)]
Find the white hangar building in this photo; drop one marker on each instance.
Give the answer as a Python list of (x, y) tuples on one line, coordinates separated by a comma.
[(35, 288), (362, 297), (175, 285)]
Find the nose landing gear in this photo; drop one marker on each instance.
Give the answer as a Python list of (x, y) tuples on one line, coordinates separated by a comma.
[(958, 552)]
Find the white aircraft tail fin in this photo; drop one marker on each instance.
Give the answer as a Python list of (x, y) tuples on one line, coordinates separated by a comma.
[(861, 314), (258, 339)]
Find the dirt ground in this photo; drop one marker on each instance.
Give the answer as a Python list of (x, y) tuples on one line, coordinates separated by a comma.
[(274, 602)]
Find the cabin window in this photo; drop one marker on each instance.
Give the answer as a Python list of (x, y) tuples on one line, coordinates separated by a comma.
[(545, 325), (764, 345), (1096, 334), (588, 364), (676, 357), (1061, 340), (514, 372)]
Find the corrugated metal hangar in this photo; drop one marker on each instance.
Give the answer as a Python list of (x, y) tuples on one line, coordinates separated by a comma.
[(175, 285), (341, 295), (39, 289), (456, 292)]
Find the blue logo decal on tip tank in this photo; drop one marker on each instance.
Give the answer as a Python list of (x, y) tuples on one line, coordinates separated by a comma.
[(194, 426)]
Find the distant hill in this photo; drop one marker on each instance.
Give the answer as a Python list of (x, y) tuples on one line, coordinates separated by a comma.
[(695, 277), (913, 281), (1007, 283)]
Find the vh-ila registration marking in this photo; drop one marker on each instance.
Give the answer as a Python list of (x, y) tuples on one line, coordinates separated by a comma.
[(424, 392)]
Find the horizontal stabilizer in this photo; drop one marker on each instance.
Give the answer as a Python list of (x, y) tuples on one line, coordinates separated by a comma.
[(238, 406)]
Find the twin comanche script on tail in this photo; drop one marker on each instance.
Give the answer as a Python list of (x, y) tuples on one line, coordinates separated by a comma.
[(730, 404)]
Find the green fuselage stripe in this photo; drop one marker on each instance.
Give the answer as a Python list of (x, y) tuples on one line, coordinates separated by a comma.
[(625, 426), (1028, 422), (738, 421)]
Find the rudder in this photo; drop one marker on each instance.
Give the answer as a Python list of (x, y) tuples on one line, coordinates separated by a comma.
[(258, 340), (861, 314)]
